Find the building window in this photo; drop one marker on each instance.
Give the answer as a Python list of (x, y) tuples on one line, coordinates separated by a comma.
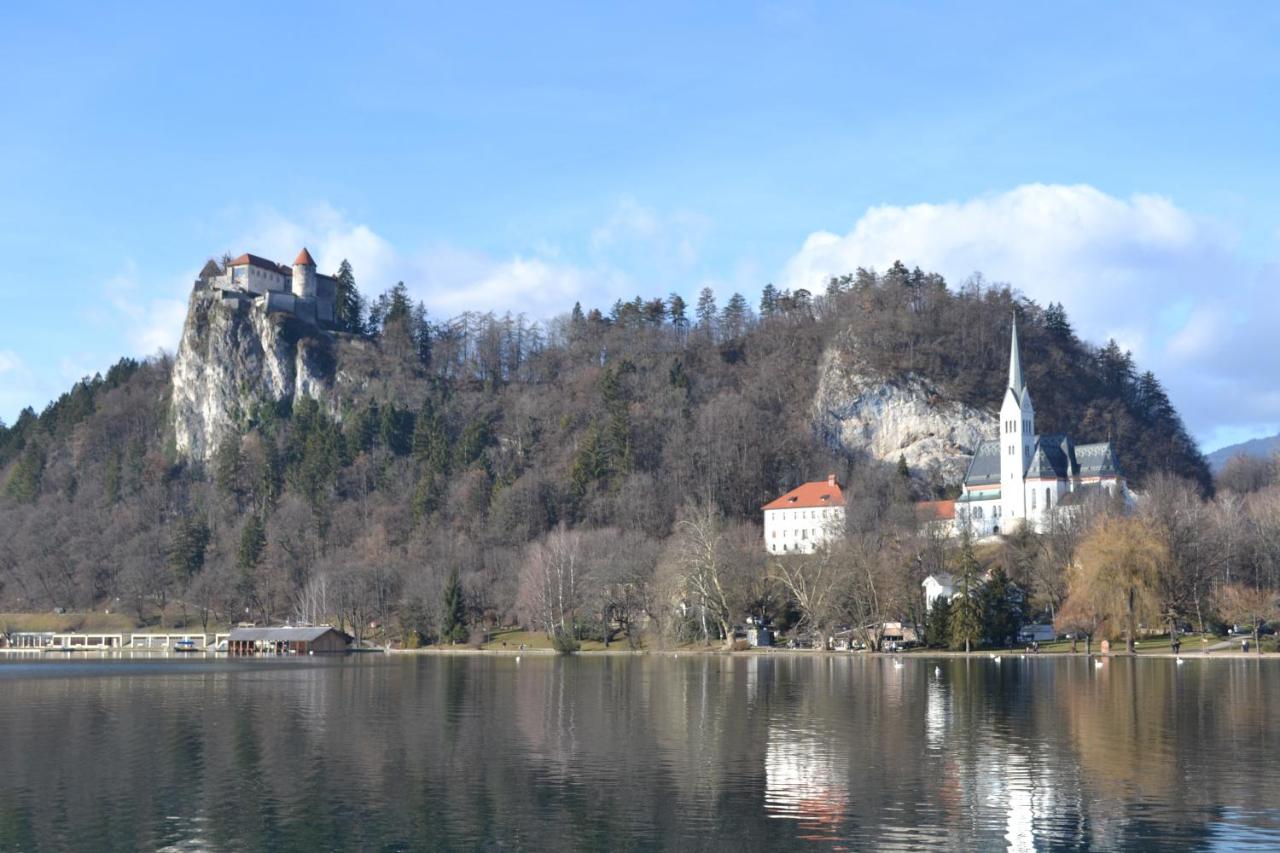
[(1046, 497), (1033, 499)]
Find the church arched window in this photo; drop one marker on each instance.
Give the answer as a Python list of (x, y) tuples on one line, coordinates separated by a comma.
[(1046, 497)]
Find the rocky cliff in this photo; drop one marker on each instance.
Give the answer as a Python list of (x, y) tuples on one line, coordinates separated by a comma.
[(888, 419), (235, 356)]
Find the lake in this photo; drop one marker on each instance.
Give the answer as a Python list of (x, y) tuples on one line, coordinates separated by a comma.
[(699, 752)]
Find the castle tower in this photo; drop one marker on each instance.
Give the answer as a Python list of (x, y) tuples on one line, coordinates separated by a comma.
[(1017, 438), (304, 276)]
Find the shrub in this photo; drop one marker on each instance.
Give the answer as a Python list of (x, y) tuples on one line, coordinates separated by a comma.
[(565, 643)]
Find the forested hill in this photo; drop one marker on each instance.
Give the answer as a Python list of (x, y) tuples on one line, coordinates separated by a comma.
[(450, 446)]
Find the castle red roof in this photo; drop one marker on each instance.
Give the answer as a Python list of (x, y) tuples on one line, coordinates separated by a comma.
[(821, 493), (255, 261), (304, 257)]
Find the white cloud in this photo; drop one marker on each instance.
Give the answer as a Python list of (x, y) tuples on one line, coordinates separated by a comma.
[(1118, 265), (449, 279), (452, 281), (18, 388), (639, 237), (329, 236), (150, 323)]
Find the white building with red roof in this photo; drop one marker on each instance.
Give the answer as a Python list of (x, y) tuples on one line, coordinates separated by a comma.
[(804, 518)]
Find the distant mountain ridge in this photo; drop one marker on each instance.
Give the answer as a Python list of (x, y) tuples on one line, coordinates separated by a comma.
[(1261, 447)]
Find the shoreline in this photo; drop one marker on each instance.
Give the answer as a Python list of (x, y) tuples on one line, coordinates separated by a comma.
[(931, 654)]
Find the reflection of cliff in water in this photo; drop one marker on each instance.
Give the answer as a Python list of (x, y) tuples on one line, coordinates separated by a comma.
[(739, 753)]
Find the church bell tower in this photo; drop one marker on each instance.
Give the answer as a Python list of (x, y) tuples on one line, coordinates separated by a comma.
[(1017, 438)]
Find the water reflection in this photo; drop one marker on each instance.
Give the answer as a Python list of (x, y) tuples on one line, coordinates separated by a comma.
[(701, 753)]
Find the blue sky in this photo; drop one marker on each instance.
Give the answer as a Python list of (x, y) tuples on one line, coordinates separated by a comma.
[(1121, 160)]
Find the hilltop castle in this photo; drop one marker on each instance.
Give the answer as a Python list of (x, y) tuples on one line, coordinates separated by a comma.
[(299, 291)]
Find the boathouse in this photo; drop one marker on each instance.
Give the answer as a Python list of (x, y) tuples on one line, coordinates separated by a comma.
[(319, 639)]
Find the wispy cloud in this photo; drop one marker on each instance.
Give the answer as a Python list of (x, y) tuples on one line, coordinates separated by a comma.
[(150, 315), (539, 281)]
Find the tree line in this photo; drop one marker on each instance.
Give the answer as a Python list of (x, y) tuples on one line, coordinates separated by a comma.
[(466, 450)]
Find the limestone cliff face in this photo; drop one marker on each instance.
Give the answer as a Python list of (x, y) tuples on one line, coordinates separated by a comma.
[(904, 417), (235, 356)]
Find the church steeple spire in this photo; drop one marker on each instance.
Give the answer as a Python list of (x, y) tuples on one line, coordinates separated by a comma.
[(1016, 383)]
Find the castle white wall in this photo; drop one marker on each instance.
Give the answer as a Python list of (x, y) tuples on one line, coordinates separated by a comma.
[(304, 281), (303, 293), (801, 530)]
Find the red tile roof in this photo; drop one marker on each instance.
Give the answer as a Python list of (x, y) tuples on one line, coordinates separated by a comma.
[(255, 261), (304, 257), (936, 510), (817, 494)]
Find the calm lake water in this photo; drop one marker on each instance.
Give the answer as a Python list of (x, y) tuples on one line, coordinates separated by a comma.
[(647, 753)]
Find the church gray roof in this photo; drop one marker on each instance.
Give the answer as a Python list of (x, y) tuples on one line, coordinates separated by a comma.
[(984, 467), (1097, 460), (1016, 383), (1052, 457)]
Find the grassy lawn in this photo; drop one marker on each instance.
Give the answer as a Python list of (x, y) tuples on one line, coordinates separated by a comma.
[(510, 639), (85, 623)]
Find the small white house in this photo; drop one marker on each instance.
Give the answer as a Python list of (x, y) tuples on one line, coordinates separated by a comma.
[(804, 518), (941, 584)]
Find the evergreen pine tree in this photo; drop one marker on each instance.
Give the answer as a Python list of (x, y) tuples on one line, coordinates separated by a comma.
[(475, 438), (589, 464), (349, 307), (25, 478), (1001, 609), (187, 545), (768, 301), (937, 626), (706, 313), (453, 624), (966, 611), (735, 318), (1057, 324), (676, 309), (431, 445), (253, 542), (395, 429)]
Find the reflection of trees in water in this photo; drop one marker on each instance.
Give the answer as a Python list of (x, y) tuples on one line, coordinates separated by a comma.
[(591, 753), (1142, 728)]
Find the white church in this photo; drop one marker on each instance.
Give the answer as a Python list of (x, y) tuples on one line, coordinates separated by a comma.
[(1021, 478)]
